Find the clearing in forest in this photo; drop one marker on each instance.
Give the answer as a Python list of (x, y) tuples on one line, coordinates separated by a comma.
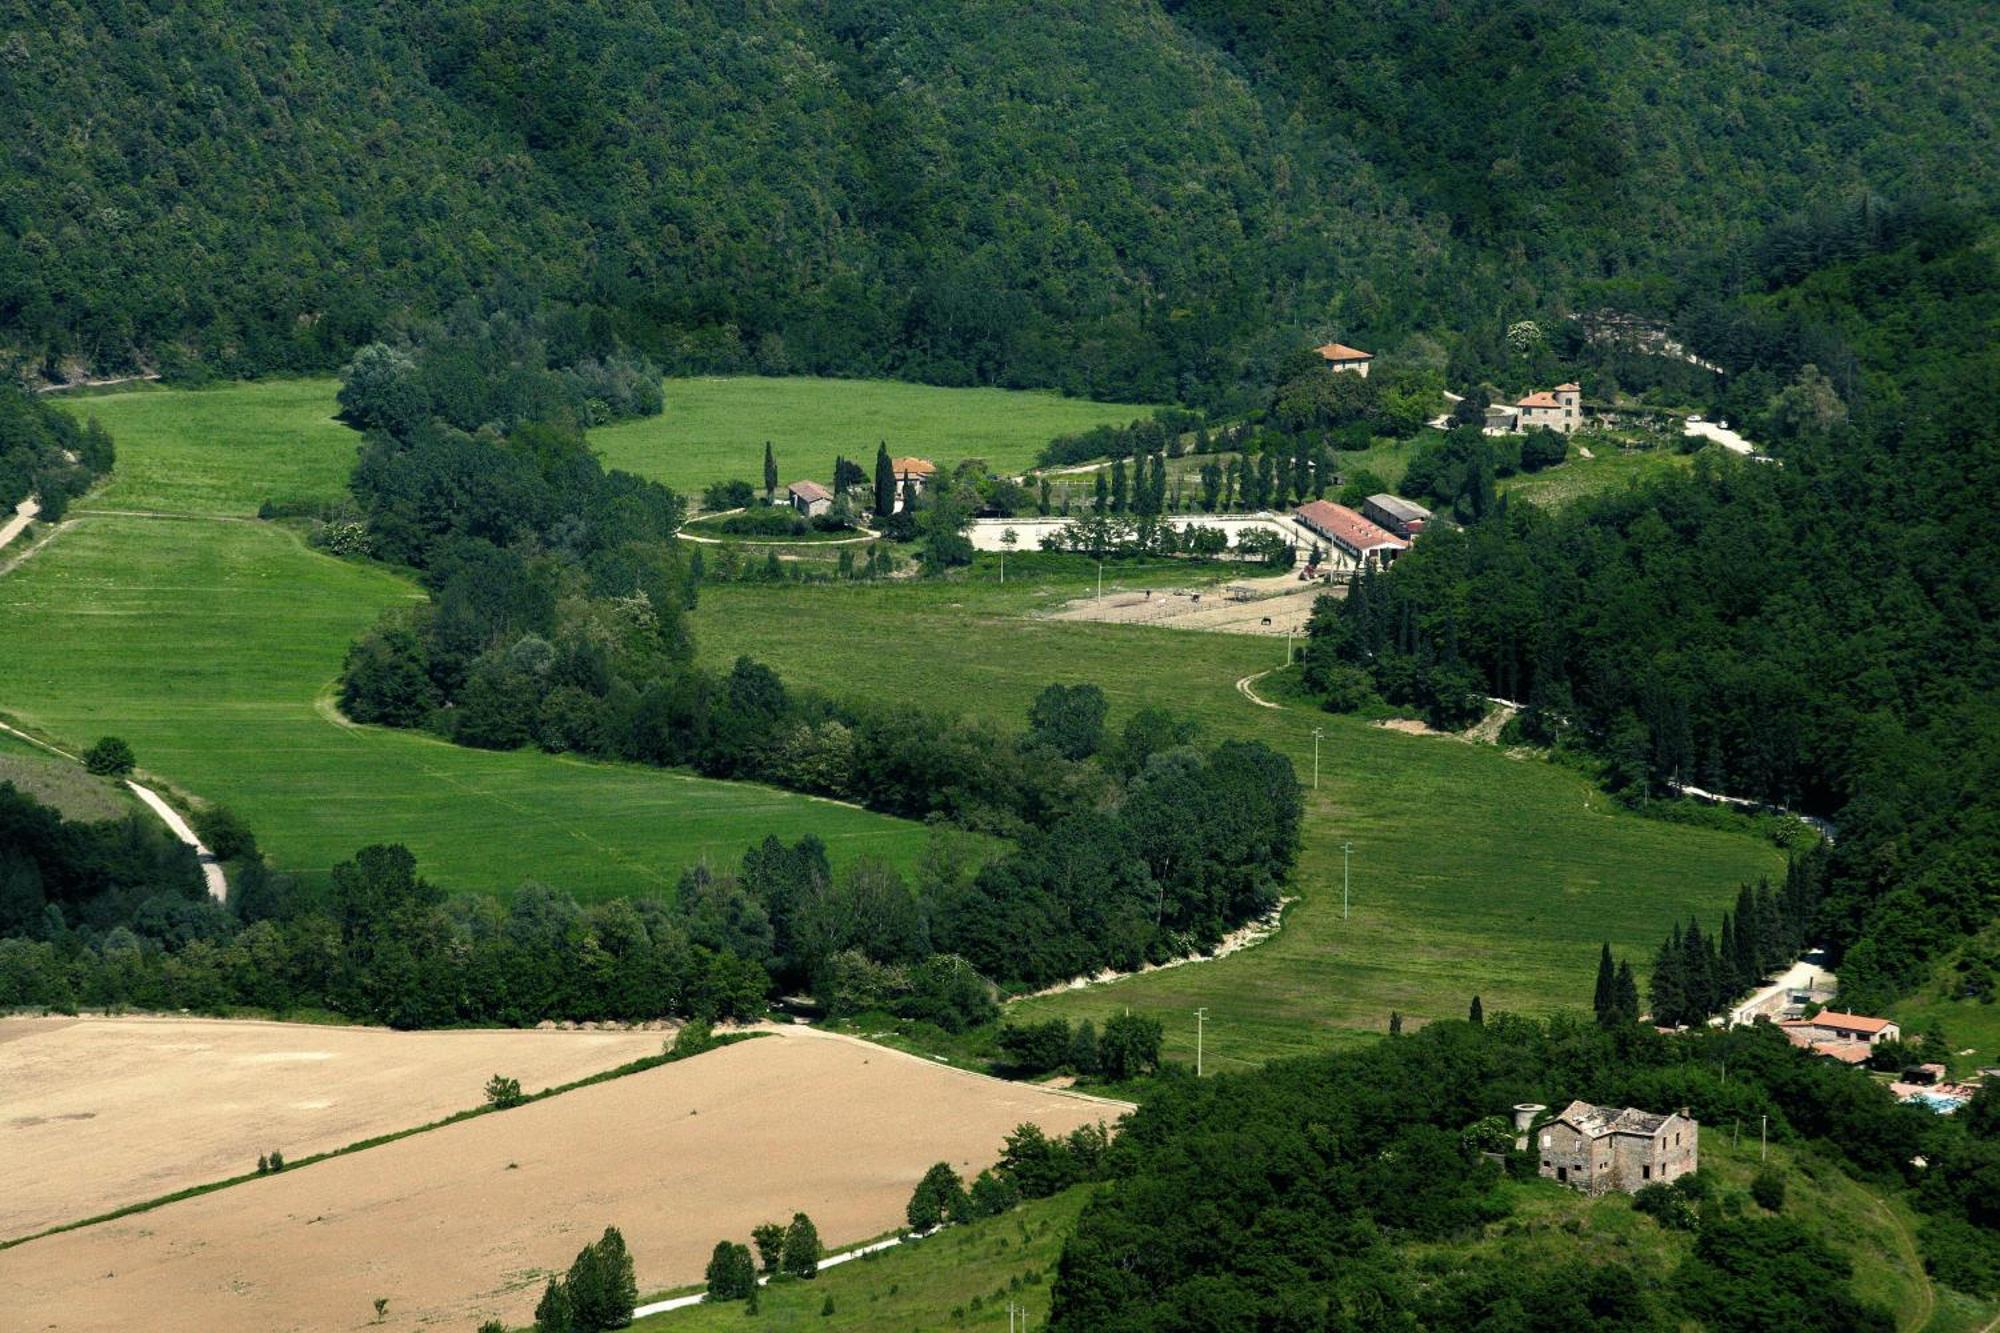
[(212, 642), (715, 429), (1474, 870), (100, 1113), (462, 1223)]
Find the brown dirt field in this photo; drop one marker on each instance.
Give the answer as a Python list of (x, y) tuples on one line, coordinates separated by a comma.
[(1285, 602), (462, 1223), (97, 1113)]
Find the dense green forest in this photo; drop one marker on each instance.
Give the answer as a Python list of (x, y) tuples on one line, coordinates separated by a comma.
[(1110, 197), (46, 454)]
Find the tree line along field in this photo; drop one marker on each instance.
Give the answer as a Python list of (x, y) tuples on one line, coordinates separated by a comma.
[(211, 644), (714, 429), (1473, 871)]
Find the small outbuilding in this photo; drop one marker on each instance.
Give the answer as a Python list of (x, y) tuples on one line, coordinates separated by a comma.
[(1598, 1149), (1403, 517), (809, 498)]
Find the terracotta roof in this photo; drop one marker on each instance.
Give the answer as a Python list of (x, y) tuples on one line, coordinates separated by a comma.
[(1343, 525), (1342, 352), (906, 467), (1826, 1018), (1543, 398), (809, 490), (1569, 388)]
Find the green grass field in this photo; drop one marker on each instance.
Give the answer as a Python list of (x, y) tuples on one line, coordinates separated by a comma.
[(223, 450), (1578, 477), (963, 1277), (211, 644), (1473, 871), (715, 429)]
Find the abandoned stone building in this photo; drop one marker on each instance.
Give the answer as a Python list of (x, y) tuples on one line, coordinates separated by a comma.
[(1601, 1148)]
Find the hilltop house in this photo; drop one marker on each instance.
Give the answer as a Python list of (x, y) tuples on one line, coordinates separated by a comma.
[(912, 476), (1597, 1149), (809, 498), (1342, 357), (1354, 537)]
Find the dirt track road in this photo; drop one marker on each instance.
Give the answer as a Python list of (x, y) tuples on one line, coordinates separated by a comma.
[(24, 514)]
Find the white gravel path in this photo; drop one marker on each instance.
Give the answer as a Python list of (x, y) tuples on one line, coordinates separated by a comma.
[(24, 514), (211, 869)]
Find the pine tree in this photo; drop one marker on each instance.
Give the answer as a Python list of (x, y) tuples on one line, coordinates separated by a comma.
[(1727, 980), (1603, 1002), (1477, 1014), (885, 481), (1282, 495), (1119, 496), (1043, 507), (1771, 954), (552, 1313), (1751, 961), (1627, 994), (1158, 485), (770, 471), (1395, 1023), (1102, 505), (1266, 481)]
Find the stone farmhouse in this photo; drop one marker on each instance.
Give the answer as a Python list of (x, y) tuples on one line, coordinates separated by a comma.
[(1344, 358), (1598, 1149), (1560, 409), (809, 498)]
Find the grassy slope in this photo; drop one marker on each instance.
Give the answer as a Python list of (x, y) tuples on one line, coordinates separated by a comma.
[(1551, 1224), (61, 784), (209, 643), (715, 429), (1607, 471), (930, 1284), (1473, 871)]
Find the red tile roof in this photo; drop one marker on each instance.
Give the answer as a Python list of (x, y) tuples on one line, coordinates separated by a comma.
[(1542, 398), (912, 467), (1826, 1018), (810, 490), (1569, 388), (1343, 525), (1342, 352)]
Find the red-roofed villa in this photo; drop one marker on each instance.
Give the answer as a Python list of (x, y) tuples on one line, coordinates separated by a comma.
[(1342, 357)]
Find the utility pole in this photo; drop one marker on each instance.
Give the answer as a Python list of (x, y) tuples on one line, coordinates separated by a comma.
[(1763, 1123), (1317, 733), (1346, 849), (1288, 645), (1100, 577), (1200, 1019)]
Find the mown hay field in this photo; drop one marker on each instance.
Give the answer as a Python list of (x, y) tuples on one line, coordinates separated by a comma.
[(99, 1113), (463, 1223)]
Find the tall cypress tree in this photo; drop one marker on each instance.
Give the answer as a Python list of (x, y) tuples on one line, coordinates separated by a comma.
[(1670, 982), (1103, 501), (885, 481), (1626, 991), (1729, 981), (1751, 960), (1476, 1015), (1266, 480), (1605, 999), (1119, 496), (770, 471)]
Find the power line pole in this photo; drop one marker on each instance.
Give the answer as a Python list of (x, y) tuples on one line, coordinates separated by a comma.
[(1763, 1123), (1200, 1019), (1346, 849), (1317, 733)]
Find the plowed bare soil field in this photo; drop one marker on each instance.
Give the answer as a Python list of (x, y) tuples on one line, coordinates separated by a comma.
[(461, 1224), (97, 1113)]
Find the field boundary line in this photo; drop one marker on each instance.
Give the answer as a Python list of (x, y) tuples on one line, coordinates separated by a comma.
[(688, 1300), (630, 1067)]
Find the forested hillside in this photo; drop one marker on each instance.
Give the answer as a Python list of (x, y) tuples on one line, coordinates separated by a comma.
[(1107, 196)]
